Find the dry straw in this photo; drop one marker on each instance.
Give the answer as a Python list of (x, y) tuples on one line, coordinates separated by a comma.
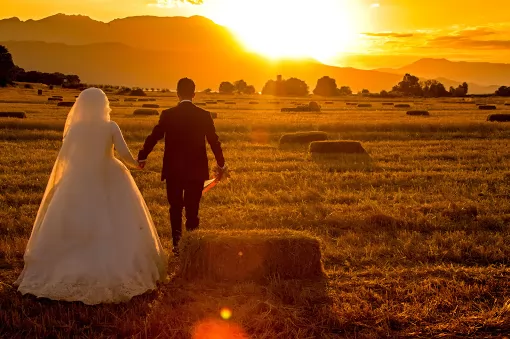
[(418, 113), (19, 115), (364, 105), (303, 137), (146, 111), (150, 106), (487, 107), (258, 255), (502, 117), (337, 147)]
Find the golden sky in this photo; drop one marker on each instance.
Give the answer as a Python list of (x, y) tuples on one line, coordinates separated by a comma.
[(375, 32)]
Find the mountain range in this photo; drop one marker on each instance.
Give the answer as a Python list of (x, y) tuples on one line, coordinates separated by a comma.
[(157, 51)]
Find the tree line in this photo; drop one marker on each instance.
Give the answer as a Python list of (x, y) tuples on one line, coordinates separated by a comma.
[(9, 73)]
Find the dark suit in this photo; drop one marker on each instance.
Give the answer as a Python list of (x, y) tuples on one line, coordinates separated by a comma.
[(185, 164)]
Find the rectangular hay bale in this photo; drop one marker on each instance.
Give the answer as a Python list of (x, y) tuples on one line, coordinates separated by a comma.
[(256, 255)]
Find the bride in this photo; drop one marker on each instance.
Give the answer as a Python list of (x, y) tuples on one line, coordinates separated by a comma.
[(93, 239)]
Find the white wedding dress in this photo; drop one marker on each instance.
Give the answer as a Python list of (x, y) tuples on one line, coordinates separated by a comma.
[(93, 239)]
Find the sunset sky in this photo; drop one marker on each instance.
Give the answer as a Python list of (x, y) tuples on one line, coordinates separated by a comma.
[(358, 33)]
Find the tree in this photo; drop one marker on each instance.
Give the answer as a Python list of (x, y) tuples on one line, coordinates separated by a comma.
[(250, 90), (289, 87), (503, 91), (365, 91), (226, 88), (434, 89), (345, 90), (326, 87), (7, 67), (240, 86), (410, 85), (207, 91), (460, 91)]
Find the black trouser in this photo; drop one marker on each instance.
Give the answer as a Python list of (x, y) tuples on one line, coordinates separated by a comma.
[(185, 194)]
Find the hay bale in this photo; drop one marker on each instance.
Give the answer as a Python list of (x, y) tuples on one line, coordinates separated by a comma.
[(39, 92), (144, 100), (314, 106), (329, 103), (19, 115), (487, 107), (200, 104), (66, 104), (151, 99), (351, 103), (146, 111), (257, 255), (507, 104), (214, 115), (337, 147), (303, 137), (130, 99), (388, 104), (150, 106), (364, 105), (402, 106), (416, 113), (253, 103), (58, 97), (54, 99), (501, 117), (274, 102)]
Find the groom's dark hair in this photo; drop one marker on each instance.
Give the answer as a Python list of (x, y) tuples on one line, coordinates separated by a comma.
[(186, 88)]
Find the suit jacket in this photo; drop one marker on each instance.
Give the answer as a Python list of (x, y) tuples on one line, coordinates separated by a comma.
[(185, 129)]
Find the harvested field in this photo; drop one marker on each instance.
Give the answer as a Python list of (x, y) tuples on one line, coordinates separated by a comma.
[(19, 115), (303, 138), (402, 106), (337, 147), (499, 117), (65, 104), (150, 106), (418, 113), (146, 111), (487, 107)]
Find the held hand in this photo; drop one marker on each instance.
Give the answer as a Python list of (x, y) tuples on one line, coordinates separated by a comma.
[(141, 163), (221, 172)]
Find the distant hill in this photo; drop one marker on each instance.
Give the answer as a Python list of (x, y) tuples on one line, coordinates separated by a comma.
[(482, 73), (157, 51)]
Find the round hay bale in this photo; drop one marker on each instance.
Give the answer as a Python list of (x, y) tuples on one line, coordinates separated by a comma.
[(146, 111), (337, 147), (200, 104), (66, 104), (402, 106), (130, 99), (388, 104), (150, 106), (314, 106), (230, 103), (364, 105), (19, 115), (253, 103), (258, 255), (487, 107), (214, 115), (501, 117), (303, 137), (39, 92), (54, 99), (416, 113)]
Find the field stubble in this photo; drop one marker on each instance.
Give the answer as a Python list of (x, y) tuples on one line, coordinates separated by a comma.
[(415, 243)]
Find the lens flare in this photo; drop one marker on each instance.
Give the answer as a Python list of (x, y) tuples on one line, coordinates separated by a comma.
[(225, 313)]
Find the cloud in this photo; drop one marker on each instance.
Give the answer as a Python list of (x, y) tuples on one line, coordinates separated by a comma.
[(473, 38), (173, 3), (389, 35)]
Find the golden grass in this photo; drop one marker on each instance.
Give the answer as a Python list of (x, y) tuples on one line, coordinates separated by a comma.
[(414, 245)]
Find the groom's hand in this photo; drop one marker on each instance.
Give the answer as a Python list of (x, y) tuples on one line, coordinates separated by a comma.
[(141, 163)]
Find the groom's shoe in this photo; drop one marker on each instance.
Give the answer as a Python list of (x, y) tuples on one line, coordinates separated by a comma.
[(175, 251)]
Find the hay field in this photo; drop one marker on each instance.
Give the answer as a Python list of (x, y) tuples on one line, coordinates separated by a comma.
[(416, 243)]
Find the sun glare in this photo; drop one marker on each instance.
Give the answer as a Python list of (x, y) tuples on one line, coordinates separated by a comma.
[(321, 29)]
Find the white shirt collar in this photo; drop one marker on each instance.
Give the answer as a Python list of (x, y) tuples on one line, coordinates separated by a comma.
[(185, 101)]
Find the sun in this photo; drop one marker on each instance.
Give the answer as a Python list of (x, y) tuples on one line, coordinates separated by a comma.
[(320, 29)]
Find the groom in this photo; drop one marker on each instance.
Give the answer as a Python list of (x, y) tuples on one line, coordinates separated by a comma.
[(185, 128)]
